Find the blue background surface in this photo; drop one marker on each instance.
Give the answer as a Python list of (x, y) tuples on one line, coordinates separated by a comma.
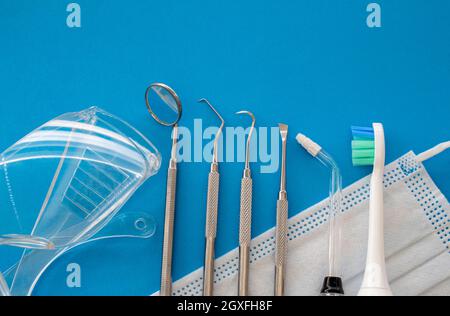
[(314, 65)]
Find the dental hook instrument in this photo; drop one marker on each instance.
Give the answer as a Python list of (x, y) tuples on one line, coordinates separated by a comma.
[(212, 205), (169, 218), (281, 231), (245, 223)]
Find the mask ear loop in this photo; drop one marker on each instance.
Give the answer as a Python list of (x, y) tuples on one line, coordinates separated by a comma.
[(433, 152)]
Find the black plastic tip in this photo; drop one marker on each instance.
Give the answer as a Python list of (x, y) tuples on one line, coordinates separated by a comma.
[(332, 286)]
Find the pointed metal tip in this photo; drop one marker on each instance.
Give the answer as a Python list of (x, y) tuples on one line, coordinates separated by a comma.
[(247, 113), (203, 100)]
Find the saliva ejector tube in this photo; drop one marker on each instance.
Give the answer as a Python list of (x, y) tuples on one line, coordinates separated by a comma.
[(332, 285)]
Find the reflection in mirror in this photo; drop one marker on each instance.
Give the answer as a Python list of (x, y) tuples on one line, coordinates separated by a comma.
[(163, 104)]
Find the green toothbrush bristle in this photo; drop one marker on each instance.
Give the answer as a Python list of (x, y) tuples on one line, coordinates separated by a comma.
[(363, 147), (360, 162), (363, 153), (363, 144)]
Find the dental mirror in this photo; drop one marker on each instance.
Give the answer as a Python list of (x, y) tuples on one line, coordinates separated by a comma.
[(163, 104), (165, 107)]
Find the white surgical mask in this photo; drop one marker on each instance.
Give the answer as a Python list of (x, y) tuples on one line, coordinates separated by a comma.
[(416, 239)]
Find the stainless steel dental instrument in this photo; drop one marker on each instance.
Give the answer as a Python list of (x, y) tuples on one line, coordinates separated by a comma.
[(245, 223), (168, 96), (211, 211), (282, 218)]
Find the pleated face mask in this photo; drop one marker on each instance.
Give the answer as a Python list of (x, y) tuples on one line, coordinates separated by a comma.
[(416, 241)]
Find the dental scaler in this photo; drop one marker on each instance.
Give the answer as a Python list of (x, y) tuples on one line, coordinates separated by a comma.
[(281, 233), (212, 206), (245, 224)]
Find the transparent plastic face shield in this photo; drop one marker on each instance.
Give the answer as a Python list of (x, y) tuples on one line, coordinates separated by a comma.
[(63, 184)]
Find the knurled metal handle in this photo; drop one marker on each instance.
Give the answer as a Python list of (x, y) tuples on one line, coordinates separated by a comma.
[(245, 224), (245, 235), (166, 270), (281, 232), (281, 236), (212, 204)]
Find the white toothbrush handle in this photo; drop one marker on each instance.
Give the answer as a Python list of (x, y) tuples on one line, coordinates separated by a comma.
[(375, 281)]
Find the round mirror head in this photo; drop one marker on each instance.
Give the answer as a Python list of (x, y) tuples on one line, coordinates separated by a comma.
[(163, 104)]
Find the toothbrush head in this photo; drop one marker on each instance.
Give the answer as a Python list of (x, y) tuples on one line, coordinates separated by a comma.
[(363, 146)]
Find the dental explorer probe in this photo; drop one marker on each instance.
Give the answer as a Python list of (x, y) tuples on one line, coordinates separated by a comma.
[(281, 231), (211, 211), (245, 223)]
